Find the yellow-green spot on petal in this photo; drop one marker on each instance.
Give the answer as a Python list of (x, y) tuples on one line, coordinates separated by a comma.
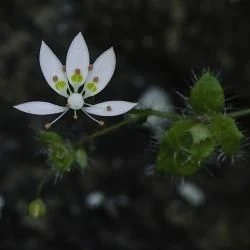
[(91, 86), (77, 78), (60, 85)]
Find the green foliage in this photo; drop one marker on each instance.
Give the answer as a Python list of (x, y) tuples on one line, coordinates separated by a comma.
[(189, 143), (81, 158), (201, 151), (62, 155), (49, 137), (183, 148), (199, 132), (207, 95), (37, 208), (176, 163), (226, 133)]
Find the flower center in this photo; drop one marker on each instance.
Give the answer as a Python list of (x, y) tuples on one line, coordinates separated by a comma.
[(75, 101)]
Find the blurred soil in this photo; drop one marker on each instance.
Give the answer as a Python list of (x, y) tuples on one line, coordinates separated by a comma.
[(157, 43)]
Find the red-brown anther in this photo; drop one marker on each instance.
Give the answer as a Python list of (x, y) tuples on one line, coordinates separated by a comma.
[(77, 71), (55, 78), (96, 79), (47, 125), (90, 67), (64, 68), (109, 108), (101, 123)]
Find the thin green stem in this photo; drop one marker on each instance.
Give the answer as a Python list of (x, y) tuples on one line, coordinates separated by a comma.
[(152, 112), (136, 115), (48, 175), (139, 114)]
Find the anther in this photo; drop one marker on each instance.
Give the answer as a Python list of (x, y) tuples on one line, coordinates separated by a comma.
[(47, 125), (64, 68), (55, 78), (90, 67), (109, 108), (101, 123), (96, 79), (77, 71)]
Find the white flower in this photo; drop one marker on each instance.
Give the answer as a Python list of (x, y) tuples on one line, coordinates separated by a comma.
[(77, 81)]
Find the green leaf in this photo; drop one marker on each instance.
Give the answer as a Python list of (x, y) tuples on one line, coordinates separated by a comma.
[(200, 132), (203, 141), (81, 158), (226, 133), (174, 155), (203, 149), (184, 147), (176, 163), (61, 157), (178, 135), (49, 137), (207, 95)]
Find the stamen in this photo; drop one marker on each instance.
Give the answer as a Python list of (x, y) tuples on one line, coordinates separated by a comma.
[(48, 125), (55, 78), (109, 108), (96, 79), (101, 123), (90, 67), (75, 115), (87, 104)]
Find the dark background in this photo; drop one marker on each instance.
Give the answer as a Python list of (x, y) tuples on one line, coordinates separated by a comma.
[(157, 42)]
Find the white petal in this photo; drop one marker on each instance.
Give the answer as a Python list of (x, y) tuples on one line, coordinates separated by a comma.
[(40, 108), (110, 108), (101, 73), (52, 69), (77, 60)]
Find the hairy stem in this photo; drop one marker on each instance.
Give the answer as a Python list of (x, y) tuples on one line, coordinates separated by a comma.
[(136, 115), (239, 113), (139, 114), (49, 174)]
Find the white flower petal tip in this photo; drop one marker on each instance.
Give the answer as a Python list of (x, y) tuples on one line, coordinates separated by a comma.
[(101, 73), (53, 70), (40, 108), (110, 108), (77, 61)]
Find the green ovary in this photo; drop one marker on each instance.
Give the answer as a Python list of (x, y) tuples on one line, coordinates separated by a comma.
[(91, 86), (77, 78), (60, 85)]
